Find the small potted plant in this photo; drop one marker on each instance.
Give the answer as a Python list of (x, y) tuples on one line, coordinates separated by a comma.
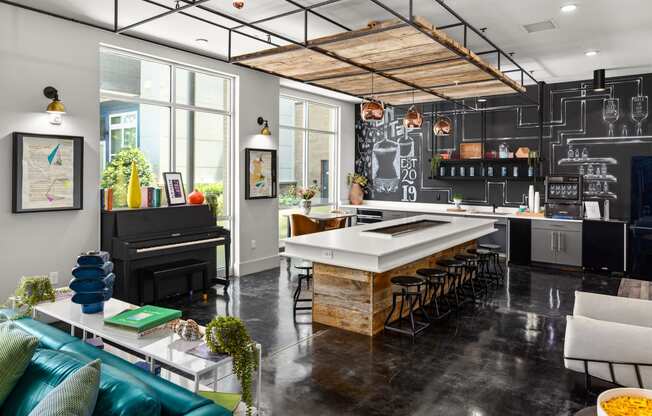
[(434, 164), (229, 335), (305, 195), (357, 184), (33, 290), (457, 200)]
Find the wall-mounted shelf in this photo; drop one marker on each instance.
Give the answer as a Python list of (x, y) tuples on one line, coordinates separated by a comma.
[(600, 178), (587, 161), (599, 195), (512, 161), (484, 178)]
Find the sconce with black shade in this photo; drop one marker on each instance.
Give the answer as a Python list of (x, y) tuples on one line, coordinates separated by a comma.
[(265, 131), (599, 80), (56, 109)]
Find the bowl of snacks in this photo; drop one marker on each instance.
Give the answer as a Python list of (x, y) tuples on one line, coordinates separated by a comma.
[(625, 402)]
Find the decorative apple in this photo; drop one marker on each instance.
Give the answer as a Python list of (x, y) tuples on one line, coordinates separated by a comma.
[(196, 198)]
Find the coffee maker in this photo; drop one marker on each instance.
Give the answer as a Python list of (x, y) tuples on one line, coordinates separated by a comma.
[(564, 197)]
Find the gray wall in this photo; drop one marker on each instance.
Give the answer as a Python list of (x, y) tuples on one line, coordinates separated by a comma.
[(68, 59)]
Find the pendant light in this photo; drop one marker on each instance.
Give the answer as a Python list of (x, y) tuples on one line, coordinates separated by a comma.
[(238, 4), (413, 118), (372, 110), (599, 80), (443, 127)]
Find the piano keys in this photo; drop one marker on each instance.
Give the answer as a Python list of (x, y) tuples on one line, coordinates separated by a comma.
[(146, 238)]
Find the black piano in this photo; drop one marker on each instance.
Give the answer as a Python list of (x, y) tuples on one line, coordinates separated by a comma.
[(177, 241)]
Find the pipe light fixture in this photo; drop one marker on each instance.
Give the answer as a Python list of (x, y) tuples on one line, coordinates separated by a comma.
[(599, 81), (55, 109)]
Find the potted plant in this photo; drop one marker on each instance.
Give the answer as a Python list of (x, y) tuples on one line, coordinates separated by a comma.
[(305, 195), (434, 164), (457, 200), (229, 335), (117, 173), (33, 290), (357, 184)]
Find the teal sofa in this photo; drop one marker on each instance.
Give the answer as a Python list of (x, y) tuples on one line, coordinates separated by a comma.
[(124, 388)]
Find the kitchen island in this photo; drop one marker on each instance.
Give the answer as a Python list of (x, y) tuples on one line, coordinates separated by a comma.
[(352, 267)]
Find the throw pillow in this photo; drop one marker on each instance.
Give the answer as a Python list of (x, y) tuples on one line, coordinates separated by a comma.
[(16, 350), (75, 396)]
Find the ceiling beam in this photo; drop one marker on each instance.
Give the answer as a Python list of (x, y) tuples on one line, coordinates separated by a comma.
[(158, 16)]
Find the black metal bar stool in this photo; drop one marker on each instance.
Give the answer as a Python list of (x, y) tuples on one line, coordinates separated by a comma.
[(484, 272), (435, 290), (495, 260), (305, 275), (470, 272), (411, 293), (455, 269)]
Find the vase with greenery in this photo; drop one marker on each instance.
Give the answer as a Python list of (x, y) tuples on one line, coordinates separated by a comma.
[(357, 184), (227, 334), (305, 195), (288, 197), (457, 199), (33, 290), (214, 194), (117, 173)]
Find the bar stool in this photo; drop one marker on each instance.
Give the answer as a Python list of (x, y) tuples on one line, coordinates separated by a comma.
[(484, 273), (411, 293), (435, 286), (304, 275), (470, 272), (495, 260), (454, 268)]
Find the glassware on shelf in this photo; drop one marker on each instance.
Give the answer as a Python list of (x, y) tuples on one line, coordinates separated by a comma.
[(503, 151), (490, 171), (603, 169), (611, 113), (471, 171), (639, 112), (570, 152), (503, 171), (605, 187), (589, 170), (577, 153), (585, 153), (624, 132), (597, 171), (515, 171), (462, 171), (453, 171), (581, 169), (442, 171)]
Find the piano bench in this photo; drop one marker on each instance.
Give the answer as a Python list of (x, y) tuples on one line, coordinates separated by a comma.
[(180, 268)]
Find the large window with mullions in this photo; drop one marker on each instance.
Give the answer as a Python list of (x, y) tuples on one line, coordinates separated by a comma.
[(180, 117)]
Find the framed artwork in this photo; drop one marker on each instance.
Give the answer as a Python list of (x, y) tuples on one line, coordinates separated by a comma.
[(174, 190), (47, 172), (260, 174)]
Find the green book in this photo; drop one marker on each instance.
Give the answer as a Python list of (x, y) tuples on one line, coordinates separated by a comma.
[(143, 318)]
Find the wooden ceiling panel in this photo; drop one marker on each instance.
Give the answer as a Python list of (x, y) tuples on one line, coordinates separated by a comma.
[(392, 48)]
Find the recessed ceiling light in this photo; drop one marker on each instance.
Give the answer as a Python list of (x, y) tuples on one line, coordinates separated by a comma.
[(201, 40), (591, 52), (568, 8)]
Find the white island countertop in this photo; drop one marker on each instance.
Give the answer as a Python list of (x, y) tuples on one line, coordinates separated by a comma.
[(355, 248)]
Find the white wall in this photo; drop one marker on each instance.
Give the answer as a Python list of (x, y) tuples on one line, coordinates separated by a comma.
[(37, 51)]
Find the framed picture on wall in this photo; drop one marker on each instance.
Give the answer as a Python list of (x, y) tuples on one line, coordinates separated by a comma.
[(260, 173), (47, 172), (174, 190)]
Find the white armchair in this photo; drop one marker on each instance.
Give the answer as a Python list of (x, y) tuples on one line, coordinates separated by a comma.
[(610, 338)]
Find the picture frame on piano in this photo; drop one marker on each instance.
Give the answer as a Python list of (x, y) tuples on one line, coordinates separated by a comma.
[(260, 173), (47, 172), (174, 190)]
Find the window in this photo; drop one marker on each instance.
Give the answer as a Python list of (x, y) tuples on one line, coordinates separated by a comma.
[(306, 156), (179, 117)]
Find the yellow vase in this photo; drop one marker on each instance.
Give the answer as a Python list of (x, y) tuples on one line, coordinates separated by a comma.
[(133, 189)]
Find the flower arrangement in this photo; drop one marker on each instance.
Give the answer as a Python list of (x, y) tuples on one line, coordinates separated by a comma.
[(358, 179), (33, 290), (229, 334), (307, 193)]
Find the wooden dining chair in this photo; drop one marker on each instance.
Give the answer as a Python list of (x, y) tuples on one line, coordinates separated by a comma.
[(335, 223), (300, 225)]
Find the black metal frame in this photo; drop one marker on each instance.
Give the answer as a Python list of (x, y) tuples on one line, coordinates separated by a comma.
[(587, 376), (309, 11)]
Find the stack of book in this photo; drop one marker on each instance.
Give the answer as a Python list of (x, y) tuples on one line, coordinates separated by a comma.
[(144, 320), (150, 197)]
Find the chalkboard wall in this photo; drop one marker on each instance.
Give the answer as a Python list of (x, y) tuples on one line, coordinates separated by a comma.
[(397, 161)]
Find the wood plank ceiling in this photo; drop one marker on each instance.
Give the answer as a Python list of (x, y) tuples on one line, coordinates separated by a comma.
[(407, 63)]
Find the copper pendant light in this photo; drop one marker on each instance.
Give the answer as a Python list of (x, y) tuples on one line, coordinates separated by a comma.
[(413, 118), (238, 4), (372, 110), (443, 127)]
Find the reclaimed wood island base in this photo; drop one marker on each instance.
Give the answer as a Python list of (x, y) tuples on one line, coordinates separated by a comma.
[(359, 301), (352, 267)]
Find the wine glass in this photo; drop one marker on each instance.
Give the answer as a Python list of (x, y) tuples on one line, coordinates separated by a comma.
[(610, 113), (639, 112)]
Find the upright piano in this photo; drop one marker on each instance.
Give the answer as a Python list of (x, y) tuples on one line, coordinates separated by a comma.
[(145, 239)]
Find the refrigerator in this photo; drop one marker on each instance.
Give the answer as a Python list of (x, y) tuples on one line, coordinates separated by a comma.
[(640, 258)]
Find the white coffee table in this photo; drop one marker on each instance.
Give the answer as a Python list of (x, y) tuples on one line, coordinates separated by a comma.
[(163, 347)]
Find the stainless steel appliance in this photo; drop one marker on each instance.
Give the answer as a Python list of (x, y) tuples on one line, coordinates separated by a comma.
[(564, 197), (641, 218)]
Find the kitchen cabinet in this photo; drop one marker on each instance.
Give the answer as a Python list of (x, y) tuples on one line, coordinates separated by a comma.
[(557, 242)]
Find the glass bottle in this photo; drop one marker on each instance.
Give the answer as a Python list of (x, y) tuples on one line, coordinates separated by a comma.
[(462, 170), (503, 151), (585, 153), (589, 170), (582, 170), (604, 169), (503, 171), (490, 171), (577, 153), (515, 171), (471, 171), (442, 171), (452, 170), (570, 152), (597, 171)]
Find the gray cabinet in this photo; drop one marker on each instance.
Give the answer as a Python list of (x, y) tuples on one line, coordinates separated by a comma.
[(557, 242)]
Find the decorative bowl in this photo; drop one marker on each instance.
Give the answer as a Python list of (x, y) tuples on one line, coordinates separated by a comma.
[(622, 391)]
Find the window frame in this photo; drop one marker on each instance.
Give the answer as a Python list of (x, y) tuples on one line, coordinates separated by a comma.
[(305, 132), (172, 105)]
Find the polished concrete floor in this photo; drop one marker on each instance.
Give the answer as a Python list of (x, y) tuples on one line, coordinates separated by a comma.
[(503, 357)]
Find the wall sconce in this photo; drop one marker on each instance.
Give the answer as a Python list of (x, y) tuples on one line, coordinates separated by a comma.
[(265, 131), (55, 109)]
